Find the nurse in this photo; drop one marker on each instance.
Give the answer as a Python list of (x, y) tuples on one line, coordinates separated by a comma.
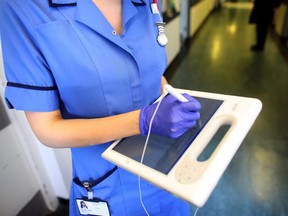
[(86, 72)]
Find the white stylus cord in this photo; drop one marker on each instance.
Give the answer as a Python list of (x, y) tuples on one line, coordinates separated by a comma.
[(144, 150), (143, 154)]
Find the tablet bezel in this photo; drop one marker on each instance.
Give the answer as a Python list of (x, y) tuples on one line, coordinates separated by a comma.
[(200, 177)]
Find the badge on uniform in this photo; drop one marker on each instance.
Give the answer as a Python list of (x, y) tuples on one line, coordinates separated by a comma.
[(161, 38), (93, 207)]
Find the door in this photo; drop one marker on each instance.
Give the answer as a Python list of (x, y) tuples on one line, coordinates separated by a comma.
[(17, 184)]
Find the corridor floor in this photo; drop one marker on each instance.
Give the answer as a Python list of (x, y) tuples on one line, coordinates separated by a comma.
[(219, 60)]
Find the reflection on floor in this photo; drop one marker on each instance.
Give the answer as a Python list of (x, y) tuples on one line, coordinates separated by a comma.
[(219, 60)]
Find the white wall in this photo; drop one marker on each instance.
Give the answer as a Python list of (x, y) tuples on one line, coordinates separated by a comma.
[(198, 13), (281, 16), (17, 183), (172, 31)]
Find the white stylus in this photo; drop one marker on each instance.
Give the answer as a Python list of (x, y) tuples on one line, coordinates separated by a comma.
[(175, 93)]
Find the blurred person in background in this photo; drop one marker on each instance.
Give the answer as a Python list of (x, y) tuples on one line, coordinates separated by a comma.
[(262, 16)]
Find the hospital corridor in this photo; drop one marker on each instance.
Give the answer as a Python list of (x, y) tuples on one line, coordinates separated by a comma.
[(219, 60), (215, 57)]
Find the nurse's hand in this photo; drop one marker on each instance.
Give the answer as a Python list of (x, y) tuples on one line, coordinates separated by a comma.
[(172, 119)]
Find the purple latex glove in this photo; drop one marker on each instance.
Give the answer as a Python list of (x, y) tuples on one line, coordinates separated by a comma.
[(172, 119)]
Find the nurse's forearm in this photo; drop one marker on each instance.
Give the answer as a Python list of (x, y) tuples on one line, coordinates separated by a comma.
[(53, 131)]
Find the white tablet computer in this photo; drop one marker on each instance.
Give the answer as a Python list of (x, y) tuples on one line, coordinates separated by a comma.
[(191, 165)]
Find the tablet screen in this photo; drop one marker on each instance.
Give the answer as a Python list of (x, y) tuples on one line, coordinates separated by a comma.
[(162, 153)]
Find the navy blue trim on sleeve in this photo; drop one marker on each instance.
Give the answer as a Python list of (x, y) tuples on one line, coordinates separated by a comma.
[(40, 88)]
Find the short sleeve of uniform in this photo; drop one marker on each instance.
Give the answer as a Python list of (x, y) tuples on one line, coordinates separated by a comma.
[(30, 84)]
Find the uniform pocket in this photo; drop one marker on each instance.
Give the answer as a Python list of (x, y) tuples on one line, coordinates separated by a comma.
[(107, 188), (93, 184), (97, 181)]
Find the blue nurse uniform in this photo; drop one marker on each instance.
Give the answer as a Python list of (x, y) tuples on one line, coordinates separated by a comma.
[(63, 54)]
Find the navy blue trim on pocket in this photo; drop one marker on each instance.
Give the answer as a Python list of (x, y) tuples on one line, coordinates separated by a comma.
[(95, 182), (51, 4), (40, 88)]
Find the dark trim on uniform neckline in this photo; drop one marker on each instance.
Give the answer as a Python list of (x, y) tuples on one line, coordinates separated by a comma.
[(51, 4), (142, 3), (40, 88)]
